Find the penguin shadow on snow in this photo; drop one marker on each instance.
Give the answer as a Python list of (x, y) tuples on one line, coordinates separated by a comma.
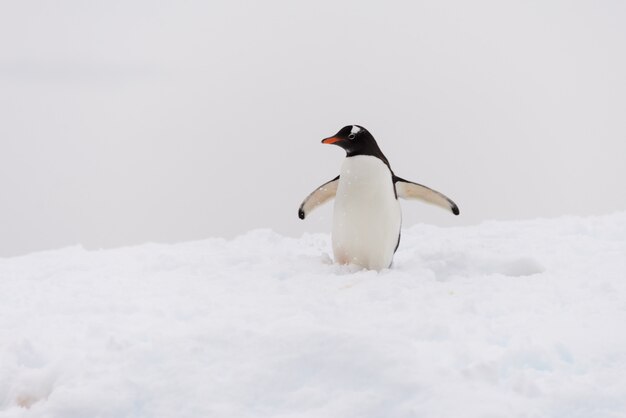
[(446, 265)]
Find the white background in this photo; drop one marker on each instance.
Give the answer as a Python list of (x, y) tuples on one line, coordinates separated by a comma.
[(129, 121)]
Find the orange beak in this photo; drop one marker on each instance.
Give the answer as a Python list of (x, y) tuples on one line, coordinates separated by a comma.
[(330, 140)]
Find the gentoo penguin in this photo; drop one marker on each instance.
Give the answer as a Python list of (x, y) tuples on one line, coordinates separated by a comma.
[(367, 216)]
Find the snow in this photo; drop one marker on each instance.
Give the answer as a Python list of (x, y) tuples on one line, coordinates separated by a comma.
[(502, 319)]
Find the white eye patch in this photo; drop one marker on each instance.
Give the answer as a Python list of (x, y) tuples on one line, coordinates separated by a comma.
[(355, 129)]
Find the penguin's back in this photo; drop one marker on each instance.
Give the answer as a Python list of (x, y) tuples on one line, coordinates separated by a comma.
[(367, 216)]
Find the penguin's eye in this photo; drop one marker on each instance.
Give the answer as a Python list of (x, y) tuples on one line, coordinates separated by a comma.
[(351, 136)]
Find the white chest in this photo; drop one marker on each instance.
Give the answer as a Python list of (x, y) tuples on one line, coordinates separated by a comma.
[(367, 218)]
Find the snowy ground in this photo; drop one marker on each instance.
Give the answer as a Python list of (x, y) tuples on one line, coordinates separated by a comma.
[(504, 319)]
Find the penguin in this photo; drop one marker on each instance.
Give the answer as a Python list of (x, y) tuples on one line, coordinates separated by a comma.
[(367, 216)]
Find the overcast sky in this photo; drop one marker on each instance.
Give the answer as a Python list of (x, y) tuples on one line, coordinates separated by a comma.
[(124, 122)]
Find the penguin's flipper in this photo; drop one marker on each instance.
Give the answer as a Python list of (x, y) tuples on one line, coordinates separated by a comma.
[(409, 190), (319, 196)]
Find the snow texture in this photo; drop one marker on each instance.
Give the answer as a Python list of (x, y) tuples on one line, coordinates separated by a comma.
[(503, 319)]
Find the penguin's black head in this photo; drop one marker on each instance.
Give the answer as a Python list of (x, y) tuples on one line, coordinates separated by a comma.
[(356, 140)]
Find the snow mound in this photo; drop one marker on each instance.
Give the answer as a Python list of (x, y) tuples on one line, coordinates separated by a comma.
[(503, 319)]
